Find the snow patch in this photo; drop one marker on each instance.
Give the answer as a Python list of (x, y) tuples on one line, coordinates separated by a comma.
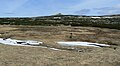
[(82, 44), (28, 43), (9, 41)]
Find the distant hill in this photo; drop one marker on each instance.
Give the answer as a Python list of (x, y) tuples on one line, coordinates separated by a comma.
[(105, 21)]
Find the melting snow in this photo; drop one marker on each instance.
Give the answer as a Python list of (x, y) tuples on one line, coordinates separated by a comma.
[(18, 42), (82, 44), (29, 43)]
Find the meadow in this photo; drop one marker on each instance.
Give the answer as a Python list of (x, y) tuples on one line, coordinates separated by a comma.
[(49, 35)]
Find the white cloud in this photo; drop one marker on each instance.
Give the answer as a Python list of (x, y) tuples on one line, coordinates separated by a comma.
[(98, 7), (89, 4), (11, 5), (117, 6), (83, 11)]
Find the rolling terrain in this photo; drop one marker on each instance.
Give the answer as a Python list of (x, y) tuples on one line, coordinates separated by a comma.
[(105, 21), (69, 56)]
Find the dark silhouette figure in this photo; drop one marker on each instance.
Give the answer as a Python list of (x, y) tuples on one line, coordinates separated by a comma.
[(70, 35), (115, 48)]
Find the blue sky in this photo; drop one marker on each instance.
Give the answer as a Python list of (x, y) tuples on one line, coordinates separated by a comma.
[(16, 8)]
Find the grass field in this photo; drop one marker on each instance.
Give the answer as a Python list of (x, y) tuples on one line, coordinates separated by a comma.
[(89, 56)]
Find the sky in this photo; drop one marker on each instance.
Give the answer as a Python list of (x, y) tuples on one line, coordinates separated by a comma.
[(25, 8)]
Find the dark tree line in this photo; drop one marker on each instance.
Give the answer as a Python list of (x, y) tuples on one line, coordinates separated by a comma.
[(64, 20)]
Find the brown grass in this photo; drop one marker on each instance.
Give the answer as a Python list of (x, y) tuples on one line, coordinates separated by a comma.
[(28, 56), (89, 56)]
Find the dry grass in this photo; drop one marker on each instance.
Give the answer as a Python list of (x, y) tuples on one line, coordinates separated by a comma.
[(89, 56), (29, 56)]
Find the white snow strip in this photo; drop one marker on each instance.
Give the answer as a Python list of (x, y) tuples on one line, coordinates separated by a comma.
[(81, 44), (28, 43), (18, 42), (54, 49), (95, 17)]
